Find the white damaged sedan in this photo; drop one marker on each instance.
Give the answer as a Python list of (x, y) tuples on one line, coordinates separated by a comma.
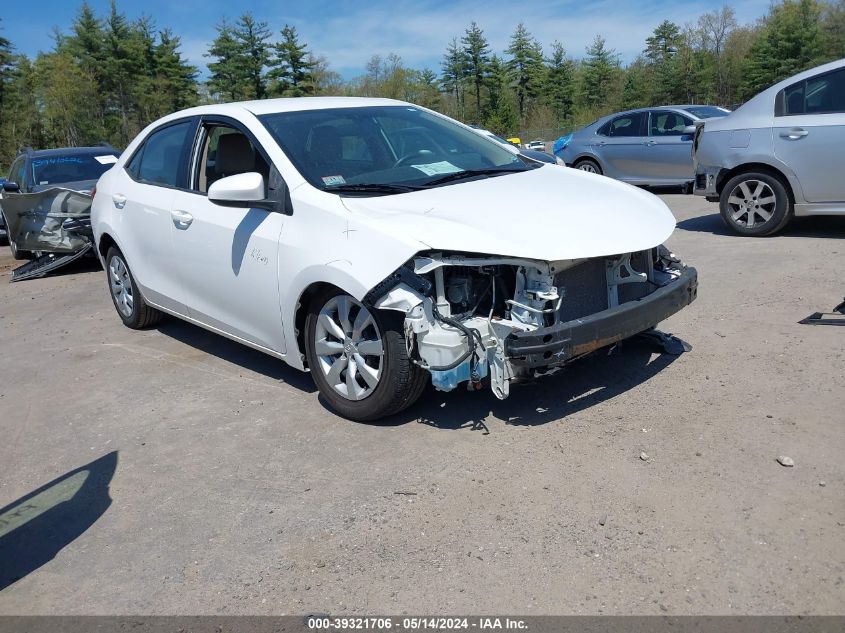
[(379, 245)]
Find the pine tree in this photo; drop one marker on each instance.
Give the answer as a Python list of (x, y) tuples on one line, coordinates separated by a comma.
[(175, 78), (501, 118), (525, 66), (292, 68), (476, 54), (226, 74), (453, 69), (791, 40), (253, 41), (559, 89), (598, 72)]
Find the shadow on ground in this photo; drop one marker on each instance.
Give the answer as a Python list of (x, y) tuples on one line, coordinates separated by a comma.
[(579, 386), (235, 353), (36, 527), (813, 226)]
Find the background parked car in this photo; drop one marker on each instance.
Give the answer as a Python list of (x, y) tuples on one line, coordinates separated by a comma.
[(76, 168), (649, 146), (538, 145), (542, 156), (780, 154)]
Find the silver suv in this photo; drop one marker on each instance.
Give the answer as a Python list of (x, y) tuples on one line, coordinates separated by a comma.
[(780, 154)]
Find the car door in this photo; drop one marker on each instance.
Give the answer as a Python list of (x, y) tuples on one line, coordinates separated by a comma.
[(142, 195), (809, 134), (228, 257), (668, 155), (619, 146)]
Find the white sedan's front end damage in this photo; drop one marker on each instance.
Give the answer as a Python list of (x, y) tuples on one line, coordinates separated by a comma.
[(471, 317)]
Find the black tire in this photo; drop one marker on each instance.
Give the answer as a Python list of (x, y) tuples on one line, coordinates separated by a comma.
[(19, 254), (741, 209), (401, 382), (16, 254), (588, 165), (140, 315)]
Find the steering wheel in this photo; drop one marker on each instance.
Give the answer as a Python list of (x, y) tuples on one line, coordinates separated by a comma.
[(415, 154)]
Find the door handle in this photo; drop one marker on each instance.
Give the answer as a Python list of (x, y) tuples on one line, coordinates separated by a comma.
[(119, 200), (650, 143), (182, 219), (601, 143), (794, 134)]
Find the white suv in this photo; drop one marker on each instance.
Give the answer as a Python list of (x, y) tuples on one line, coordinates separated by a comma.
[(379, 244)]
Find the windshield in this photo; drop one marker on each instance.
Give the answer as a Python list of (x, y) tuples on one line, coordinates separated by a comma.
[(707, 112), (384, 148), (71, 168)]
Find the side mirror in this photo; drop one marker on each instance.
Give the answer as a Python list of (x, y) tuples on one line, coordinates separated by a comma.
[(689, 129), (240, 188), (11, 186)]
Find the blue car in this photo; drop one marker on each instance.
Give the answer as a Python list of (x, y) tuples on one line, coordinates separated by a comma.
[(649, 146)]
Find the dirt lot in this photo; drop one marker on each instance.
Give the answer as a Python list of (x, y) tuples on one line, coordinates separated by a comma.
[(233, 490)]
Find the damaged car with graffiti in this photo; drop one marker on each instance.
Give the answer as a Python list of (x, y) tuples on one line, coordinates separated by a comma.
[(45, 206), (380, 246)]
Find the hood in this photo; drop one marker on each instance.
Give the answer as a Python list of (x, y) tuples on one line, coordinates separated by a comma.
[(82, 186), (546, 213)]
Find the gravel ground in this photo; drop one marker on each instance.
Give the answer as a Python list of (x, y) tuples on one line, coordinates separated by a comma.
[(629, 483)]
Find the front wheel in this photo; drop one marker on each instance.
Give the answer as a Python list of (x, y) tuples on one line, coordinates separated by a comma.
[(755, 203), (358, 358), (130, 305)]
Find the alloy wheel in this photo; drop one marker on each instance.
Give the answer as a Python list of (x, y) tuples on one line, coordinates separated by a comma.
[(349, 347), (588, 167), (121, 286), (750, 200)]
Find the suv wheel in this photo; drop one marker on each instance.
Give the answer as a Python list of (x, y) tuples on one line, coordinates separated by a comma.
[(130, 305), (358, 358), (755, 203)]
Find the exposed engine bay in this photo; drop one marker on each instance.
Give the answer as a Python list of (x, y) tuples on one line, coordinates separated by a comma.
[(472, 317)]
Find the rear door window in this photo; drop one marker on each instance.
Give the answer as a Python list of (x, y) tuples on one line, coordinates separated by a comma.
[(160, 160), (626, 125), (824, 94)]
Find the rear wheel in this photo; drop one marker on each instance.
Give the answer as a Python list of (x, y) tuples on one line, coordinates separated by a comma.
[(588, 165), (755, 203), (358, 358), (130, 305)]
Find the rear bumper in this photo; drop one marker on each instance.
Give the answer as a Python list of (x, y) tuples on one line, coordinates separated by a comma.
[(552, 346), (706, 181)]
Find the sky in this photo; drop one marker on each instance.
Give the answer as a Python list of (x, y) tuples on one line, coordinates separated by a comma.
[(349, 32)]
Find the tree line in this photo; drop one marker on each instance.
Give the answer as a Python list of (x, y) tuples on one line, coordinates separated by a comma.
[(108, 76)]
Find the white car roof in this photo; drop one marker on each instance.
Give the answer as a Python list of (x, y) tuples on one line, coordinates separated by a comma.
[(289, 104)]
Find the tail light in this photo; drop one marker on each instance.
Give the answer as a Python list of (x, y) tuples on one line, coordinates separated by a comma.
[(93, 191)]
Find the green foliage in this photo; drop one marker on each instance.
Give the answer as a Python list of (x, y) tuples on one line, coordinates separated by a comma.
[(599, 71), (791, 40), (108, 77), (292, 67), (525, 67), (476, 55), (560, 83)]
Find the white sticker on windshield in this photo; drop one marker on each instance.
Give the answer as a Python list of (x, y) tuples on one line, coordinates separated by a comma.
[(108, 159), (334, 180), (433, 169)]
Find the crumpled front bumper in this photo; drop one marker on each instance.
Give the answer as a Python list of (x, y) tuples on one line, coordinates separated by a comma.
[(558, 344)]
